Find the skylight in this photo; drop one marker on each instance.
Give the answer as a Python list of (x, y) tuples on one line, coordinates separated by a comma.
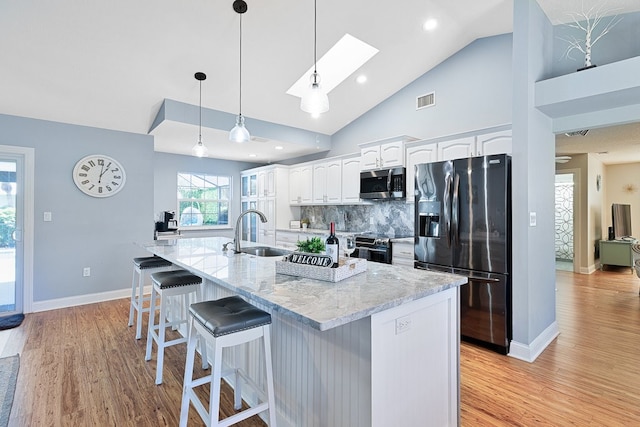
[(342, 60)]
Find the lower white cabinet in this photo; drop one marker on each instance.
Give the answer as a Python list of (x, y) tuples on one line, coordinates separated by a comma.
[(402, 253), (287, 239)]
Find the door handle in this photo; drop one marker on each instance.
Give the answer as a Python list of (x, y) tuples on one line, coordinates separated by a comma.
[(446, 200), (455, 207)]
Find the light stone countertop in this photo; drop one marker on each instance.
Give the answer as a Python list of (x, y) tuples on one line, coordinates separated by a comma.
[(319, 304)]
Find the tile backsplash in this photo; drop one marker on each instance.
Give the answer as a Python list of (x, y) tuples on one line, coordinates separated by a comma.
[(393, 218)]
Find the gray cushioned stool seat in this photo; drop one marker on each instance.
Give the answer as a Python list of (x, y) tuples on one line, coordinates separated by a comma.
[(228, 315), (151, 262), (175, 278)]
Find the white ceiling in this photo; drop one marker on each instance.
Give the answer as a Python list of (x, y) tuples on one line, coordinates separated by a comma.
[(111, 64)]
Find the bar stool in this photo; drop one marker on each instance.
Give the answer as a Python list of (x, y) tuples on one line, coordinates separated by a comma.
[(226, 322), (142, 266), (168, 284)]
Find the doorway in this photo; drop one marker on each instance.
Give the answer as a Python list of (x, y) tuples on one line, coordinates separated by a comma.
[(16, 229), (564, 222)]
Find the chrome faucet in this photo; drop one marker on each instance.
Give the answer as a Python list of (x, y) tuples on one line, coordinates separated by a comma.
[(263, 218)]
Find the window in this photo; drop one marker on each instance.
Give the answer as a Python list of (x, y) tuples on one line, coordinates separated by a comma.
[(203, 200)]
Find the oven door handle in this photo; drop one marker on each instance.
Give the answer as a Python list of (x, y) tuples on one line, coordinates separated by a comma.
[(371, 249), (483, 279)]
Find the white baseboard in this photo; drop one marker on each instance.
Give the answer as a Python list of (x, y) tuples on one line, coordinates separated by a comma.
[(530, 352), (54, 304)]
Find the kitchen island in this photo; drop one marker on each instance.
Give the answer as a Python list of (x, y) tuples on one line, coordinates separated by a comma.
[(377, 349)]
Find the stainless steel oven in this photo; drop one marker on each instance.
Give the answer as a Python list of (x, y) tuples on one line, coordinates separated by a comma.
[(373, 248)]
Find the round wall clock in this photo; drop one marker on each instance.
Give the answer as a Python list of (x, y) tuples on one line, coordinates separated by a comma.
[(99, 176)]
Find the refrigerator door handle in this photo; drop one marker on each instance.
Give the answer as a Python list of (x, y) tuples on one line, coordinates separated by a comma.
[(455, 210), (446, 201)]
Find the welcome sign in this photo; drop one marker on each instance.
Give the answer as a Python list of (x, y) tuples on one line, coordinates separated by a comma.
[(310, 259)]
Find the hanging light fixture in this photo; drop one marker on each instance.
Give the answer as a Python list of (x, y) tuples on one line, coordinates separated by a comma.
[(315, 100), (200, 150), (239, 133)]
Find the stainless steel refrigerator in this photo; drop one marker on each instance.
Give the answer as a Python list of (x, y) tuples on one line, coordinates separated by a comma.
[(463, 225)]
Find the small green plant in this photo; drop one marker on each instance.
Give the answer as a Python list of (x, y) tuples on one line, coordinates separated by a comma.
[(314, 245)]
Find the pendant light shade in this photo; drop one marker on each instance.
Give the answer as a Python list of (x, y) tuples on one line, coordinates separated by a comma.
[(315, 100), (239, 133), (200, 150)]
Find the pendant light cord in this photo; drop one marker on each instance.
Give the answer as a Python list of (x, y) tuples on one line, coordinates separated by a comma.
[(240, 65), (315, 36), (200, 125)]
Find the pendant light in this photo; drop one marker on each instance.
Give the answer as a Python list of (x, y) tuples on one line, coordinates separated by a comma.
[(315, 100), (239, 133), (200, 150)]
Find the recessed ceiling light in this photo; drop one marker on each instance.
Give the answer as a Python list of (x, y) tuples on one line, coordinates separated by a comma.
[(279, 147), (361, 79), (341, 61), (252, 155), (430, 24)]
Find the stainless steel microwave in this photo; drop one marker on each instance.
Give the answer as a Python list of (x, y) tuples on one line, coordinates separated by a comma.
[(383, 184)]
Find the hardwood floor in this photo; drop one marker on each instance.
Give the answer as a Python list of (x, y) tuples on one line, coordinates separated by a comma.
[(588, 376), (82, 366)]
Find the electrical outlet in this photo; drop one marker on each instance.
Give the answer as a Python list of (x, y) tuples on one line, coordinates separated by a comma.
[(403, 324), (47, 216), (532, 219), (86, 272)]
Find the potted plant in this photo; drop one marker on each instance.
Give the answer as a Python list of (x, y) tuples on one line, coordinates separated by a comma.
[(305, 222), (315, 245)]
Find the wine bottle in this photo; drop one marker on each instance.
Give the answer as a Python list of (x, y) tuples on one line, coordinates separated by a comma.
[(332, 245)]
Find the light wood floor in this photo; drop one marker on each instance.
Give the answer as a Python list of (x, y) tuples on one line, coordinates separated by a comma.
[(82, 366)]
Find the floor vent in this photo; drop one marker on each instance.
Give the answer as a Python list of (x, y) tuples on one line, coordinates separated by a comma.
[(424, 101)]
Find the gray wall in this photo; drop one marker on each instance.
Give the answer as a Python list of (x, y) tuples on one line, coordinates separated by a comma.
[(85, 231), (167, 166), (472, 88)]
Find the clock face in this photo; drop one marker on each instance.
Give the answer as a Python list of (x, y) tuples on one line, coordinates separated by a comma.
[(99, 176)]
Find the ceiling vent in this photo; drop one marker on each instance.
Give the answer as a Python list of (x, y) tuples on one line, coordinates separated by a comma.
[(577, 132), (259, 139), (424, 101)]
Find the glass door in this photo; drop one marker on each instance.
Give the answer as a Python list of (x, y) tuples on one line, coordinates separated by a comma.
[(10, 238)]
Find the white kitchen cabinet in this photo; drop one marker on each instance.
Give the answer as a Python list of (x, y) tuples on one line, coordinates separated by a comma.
[(477, 145), (319, 183), (417, 154), (351, 179), (271, 197), (376, 155), (327, 182), (402, 253), (301, 185), (494, 143), (267, 183), (457, 148), (248, 184), (267, 230), (287, 239)]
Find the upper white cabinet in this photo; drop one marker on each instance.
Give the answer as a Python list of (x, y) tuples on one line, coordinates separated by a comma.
[(478, 145), (301, 184), (457, 148), (267, 183), (351, 179), (494, 143), (416, 154), (383, 154), (327, 182)]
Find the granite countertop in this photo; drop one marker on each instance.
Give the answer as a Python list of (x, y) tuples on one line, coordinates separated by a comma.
[(319, 304)]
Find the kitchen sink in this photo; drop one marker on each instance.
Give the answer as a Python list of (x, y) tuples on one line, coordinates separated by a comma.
[(265, 251)]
